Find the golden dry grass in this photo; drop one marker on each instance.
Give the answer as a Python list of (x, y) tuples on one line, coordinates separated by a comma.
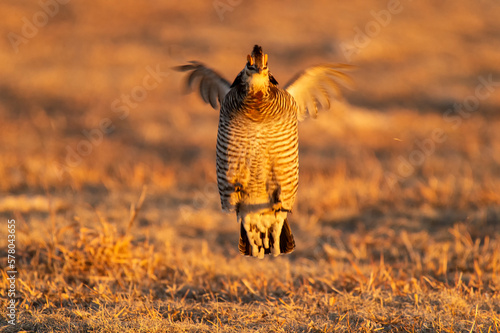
[(130, 237)]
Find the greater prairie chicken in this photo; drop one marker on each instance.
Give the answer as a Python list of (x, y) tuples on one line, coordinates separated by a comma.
[(257, 143)]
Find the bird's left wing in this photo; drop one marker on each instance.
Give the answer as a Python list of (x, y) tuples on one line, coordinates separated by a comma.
[(212, 86), (313, 88)]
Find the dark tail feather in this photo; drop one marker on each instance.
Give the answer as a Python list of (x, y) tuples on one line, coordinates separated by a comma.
[(287, 243), (244, 245)]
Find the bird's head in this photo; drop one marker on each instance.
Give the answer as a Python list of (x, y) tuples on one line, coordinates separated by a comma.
[(256, 74), (256, 62)]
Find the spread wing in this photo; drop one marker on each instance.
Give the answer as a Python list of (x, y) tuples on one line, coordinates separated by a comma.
[(313, 88), (212, 86)]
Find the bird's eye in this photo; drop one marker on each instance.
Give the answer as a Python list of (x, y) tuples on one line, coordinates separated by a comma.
[(265, 67)]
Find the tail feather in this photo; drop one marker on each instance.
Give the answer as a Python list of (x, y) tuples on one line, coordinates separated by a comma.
[(244, 245), (286, 241)]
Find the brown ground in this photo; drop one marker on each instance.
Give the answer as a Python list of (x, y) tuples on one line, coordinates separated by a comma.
[(397, 221)]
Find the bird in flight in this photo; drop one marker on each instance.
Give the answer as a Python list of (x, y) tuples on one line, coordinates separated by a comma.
[(257, 142)]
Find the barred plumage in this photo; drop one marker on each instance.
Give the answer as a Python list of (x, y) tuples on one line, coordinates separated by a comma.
[(257, 144)]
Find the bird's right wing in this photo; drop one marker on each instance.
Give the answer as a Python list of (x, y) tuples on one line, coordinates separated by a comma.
[(212, 86), (313, 88)]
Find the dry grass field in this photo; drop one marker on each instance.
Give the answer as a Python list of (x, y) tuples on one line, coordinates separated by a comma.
[(108, 169)]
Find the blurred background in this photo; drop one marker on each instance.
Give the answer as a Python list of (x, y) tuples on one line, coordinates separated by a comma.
[(108, 167), (91, 112)]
